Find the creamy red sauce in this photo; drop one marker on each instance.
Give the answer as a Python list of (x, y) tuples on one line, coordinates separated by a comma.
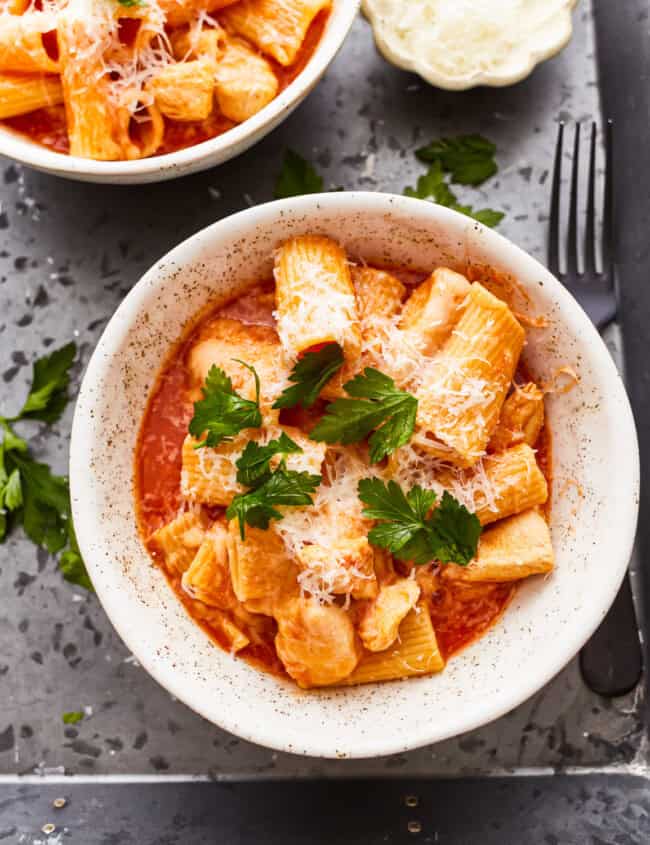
[(48, 126), (460, 613)]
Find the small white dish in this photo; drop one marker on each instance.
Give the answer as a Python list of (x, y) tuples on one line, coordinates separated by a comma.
[(498, 42), (595, 491), (199, 156)]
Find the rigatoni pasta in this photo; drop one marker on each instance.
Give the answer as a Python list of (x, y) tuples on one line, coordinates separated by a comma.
[(467, 382), (21, 94), (277, 27), (314, 296), (366, 539)]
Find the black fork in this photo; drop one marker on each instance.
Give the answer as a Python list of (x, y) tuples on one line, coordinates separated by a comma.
[(611, 661)]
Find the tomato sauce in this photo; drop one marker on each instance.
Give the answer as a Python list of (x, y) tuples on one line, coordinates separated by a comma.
[(460, 612), (47, 126)]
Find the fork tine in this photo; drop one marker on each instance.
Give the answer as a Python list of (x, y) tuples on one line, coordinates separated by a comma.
[(590, 225), (554, 223), (608, 205), (572, 235)]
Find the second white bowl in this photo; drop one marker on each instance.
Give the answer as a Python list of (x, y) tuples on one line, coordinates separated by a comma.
[(199, 156)]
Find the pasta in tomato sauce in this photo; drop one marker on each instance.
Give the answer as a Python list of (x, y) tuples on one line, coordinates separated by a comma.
[(315, 547), (116, 80)]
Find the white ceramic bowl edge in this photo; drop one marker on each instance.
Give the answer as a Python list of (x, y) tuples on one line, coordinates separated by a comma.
[(549, 620)]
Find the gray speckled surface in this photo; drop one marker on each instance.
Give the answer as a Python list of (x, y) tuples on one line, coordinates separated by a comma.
[(68, 254)]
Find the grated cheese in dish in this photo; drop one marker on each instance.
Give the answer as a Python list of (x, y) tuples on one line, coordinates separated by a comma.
[(459, 43)]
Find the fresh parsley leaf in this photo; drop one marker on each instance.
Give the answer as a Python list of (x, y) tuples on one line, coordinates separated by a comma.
[(486, 216), (46, 503), (431, 186), (254, 463), (378, 406), (297, 177), (129, 4), (11, 442), (12, 494), (71, 563), (30, 494), (457, 530), (73, 717), (48, 396), (449, 535), (469, 158), (222, 413), (283, 487), (310, 374)]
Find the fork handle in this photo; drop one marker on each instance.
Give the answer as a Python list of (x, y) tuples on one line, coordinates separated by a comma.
[(611, 661)]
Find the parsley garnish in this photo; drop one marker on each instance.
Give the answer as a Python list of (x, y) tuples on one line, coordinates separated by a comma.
[(30, 494), (48, 394), (376, 402), (297, 177), (433, 187), (282, 487), (468, 158), (129, 4), (310, 374), (254, 463), (222, 413), (73, 717), (449, 535)]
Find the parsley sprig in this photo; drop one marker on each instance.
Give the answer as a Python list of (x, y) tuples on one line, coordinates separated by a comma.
[(281, 488), (468, 158), (222, 413), (31, 495), (297, 177), (432, 186), (73, 717), (450, 534), (377, 406), (310, 375), (254, 463)]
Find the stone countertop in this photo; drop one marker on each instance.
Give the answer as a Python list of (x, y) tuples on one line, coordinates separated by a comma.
[(69, 252)]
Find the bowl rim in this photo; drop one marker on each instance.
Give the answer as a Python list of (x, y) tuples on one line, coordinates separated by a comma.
[(81, 482), (21, 149)]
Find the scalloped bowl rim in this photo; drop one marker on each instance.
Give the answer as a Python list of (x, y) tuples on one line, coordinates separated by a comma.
[(492, 79), (337, 724)]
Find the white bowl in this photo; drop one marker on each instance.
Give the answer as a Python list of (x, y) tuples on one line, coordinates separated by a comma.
[(199, 156), (595, 450), (532, 40)]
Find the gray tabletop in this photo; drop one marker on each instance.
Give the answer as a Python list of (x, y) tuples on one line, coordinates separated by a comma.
[(69, 253)]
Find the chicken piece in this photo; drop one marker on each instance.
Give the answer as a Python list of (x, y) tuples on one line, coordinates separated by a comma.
[(343, 568), (379, 626), (193, 44), (177, 543), (185, 91), (208, 576), (245, 81), (521, 420), (230, 341), (316, 643), (433, 308)]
